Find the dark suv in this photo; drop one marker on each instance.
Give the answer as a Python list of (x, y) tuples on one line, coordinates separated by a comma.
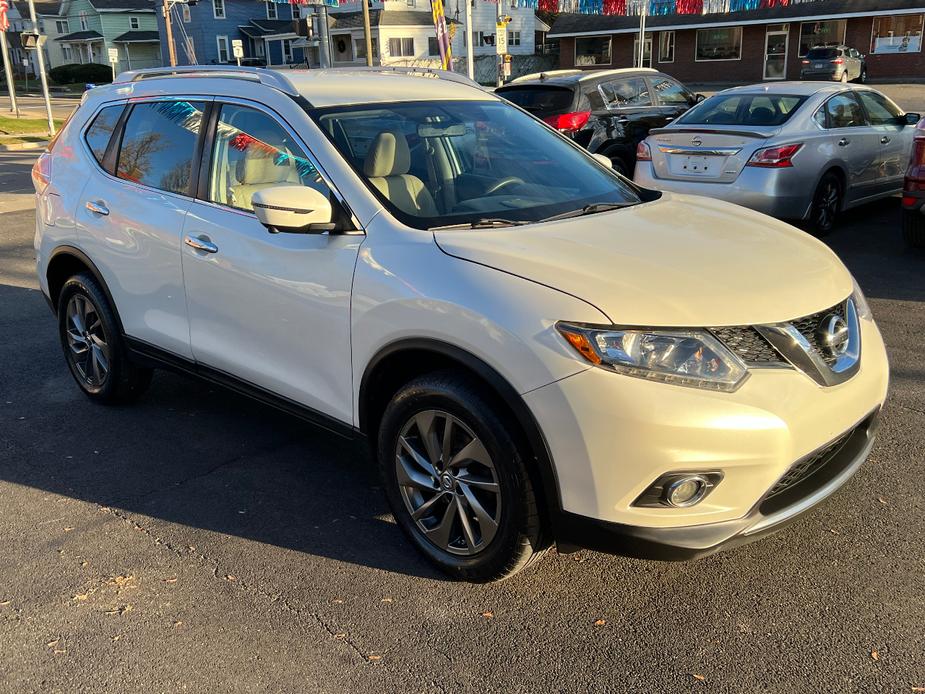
[(605, 111)]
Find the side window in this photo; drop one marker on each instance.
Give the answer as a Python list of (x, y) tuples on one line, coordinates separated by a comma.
[(670, 93), (843, 111), (880, 110), (100, 132), (252, 152), (626, 93), (158, 144)]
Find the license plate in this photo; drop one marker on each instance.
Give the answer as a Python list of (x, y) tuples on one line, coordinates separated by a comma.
[(695, 165), (818, 65)]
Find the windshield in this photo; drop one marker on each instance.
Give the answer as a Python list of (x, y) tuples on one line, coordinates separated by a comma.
[(442, 163), (539, 100), (743, 109)]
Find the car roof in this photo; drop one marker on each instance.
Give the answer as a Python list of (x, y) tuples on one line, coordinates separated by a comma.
[(573, 77), (321, 88), (792, 88)]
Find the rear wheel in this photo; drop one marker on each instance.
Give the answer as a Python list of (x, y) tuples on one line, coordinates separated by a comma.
[(844, 77), (619, 166), (826, 205), (93, 345), (456, 479), (914, 228)]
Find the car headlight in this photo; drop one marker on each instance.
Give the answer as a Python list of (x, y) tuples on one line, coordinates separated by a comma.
[(860, 302), (682, 357)]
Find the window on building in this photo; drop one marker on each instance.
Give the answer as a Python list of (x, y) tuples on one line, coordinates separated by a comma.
[(401, 47), (593, 50), (410, 3), (83, 21), (259, 49), (158, 144), (222, 42), (626, 93), (359, 48), (485, 39), (287, 51), (271, 10), (433, 48), (900, 34), (880, 110), (133, 23), (218, 9), (666, 47), (513, 38), (647, 54), (66, 50), (99, 134), (187, 17), (722, 43), (61, 26), (253, 151), (821, 34)]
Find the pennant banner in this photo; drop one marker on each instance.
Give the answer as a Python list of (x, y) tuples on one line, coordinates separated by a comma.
[(443, 36)]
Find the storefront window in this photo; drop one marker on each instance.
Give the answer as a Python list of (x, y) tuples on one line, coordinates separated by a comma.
[(719, 44), (902, 34), (592, 51), (666, 47), (821, 33)]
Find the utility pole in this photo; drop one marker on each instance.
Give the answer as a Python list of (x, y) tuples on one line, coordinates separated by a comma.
[(642, 35), (41, 63), (499, 79), (325, 48), (470, 51), (14, 108), (368, 34), (171, 49)]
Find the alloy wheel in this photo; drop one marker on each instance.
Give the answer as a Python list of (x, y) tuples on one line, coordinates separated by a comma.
[(87, 341), (826, 205), (448, 482)]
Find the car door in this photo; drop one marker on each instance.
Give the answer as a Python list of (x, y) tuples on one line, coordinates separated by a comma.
[(270, 309), (629, 113), (131, 213), (851, 141), (673, 98), (895, 138)]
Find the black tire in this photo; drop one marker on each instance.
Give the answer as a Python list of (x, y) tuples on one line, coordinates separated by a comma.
[(123, 381), (618, 165), (518, 540), (914, 228), (827, 201), (844, 77), (862, 78)]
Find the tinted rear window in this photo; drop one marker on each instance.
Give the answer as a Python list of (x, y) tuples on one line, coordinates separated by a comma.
[(539, 100), (822, 54), (744, 109), (99, 134)]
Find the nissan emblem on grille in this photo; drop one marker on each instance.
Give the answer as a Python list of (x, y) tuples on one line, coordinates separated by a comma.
[(832, 335), (696, 141)]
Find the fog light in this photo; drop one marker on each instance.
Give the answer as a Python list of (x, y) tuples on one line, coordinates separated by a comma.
[(679, 489)]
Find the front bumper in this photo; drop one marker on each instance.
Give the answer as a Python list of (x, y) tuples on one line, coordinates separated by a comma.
[(781, 193)]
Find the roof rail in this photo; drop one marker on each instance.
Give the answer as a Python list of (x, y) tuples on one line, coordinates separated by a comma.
[(545, 74), (433, 72), (271, 78), (617, 71)]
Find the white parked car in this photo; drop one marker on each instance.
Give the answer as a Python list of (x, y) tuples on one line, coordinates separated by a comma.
[(537, 350)]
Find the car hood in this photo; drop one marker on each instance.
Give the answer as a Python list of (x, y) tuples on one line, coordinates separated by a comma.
[(678, 261)]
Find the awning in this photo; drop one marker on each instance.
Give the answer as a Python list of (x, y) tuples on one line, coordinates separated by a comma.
[(81, 37), (138, 37)]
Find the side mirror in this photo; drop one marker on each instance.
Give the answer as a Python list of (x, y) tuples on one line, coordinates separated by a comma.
[(912, 118), (603, 161), (698, 98), (293, 210)]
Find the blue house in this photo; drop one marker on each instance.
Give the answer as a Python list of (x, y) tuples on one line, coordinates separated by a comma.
[(203, 32)]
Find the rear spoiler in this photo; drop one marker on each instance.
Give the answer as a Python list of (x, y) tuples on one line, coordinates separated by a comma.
[(713, 131)]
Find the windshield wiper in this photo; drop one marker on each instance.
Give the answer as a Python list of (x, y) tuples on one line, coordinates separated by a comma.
[(589, 209), (484, 223)]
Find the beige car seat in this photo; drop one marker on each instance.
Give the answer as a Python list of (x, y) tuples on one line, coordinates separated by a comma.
[(387, 164)]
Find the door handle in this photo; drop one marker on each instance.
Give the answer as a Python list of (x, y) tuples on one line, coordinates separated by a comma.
[(201, 243), (884, 140), (844, 142), (97, 207)]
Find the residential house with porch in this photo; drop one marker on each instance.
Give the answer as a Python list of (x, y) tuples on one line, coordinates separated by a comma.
[(95, 26), (203, 32)]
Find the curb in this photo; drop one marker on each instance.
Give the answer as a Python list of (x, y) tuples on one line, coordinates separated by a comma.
[(18, 146)]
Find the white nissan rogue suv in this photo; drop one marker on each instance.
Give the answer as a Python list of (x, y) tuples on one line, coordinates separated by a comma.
[(537, 350)]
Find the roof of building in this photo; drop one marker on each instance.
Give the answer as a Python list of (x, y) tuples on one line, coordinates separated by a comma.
[(138, 37), (391, 18), (89, 35), (123, 5), (42, 9), (587, 24)]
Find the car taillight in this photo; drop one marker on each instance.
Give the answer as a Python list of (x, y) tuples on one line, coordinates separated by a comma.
[(775, 157), (805, 62), (838, 61), (569, 122), (916, 171), (41, 172), (642, 152)]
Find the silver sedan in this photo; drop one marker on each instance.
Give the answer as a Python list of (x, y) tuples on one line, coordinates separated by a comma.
[(795, 150)]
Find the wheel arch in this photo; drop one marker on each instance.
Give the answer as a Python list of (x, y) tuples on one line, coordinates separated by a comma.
[(67, 261), (400, 361)]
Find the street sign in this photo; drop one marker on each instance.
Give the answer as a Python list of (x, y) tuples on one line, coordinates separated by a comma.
[(113, 55), (237, 48), (501, 38)]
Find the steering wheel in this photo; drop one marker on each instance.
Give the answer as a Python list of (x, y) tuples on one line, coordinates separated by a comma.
[(503, 183)]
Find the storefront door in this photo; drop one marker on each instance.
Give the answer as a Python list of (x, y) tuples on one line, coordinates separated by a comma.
[(775, 53)]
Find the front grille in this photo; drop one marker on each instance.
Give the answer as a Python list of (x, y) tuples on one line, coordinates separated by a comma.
[(807, 328), (750, 347), (808, 466)]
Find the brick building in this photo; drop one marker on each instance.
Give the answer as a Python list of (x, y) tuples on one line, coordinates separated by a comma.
[(751, 46)]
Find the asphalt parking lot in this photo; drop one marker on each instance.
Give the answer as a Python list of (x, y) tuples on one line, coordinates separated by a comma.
[(200, 542)]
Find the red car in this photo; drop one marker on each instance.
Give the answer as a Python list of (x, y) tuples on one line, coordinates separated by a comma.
[(914, 192)]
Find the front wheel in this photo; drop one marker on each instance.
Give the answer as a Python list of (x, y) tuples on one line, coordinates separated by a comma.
[(826, 205), (844, 77), (863, 77), (456, 480)]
